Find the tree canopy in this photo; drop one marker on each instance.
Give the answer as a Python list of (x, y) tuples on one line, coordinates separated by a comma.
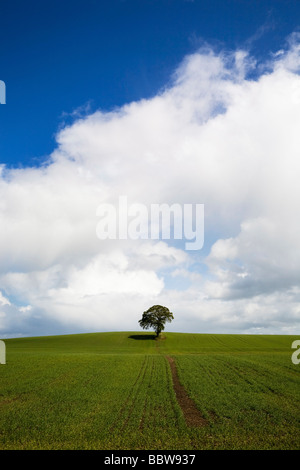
[(156, 317)]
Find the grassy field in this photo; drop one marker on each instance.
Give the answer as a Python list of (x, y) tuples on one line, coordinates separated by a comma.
[(115, 391)]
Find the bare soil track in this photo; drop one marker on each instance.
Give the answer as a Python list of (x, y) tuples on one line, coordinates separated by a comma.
[(192, 415)]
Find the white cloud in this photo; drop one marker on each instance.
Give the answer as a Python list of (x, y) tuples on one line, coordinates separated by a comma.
[(213, 136), (4, 300)]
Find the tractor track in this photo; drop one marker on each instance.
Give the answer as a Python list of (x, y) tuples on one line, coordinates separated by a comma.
[(129, 403), (191, 413)]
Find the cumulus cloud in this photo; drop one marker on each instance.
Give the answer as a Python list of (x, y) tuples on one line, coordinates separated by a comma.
[(214, 136)]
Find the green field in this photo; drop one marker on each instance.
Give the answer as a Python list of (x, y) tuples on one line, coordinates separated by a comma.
[(115, 391)]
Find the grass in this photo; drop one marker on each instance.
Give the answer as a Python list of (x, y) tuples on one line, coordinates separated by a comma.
[(115, 391)]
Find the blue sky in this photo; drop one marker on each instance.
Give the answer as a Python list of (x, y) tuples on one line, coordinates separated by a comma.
[(58, 56), (172, 101)]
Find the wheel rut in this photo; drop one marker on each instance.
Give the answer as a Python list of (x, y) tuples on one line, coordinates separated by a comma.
[(191, 413)]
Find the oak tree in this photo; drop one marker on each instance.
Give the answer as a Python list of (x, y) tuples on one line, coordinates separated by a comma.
[(156, 317)]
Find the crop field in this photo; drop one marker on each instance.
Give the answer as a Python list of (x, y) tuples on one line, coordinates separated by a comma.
[(126, 390)]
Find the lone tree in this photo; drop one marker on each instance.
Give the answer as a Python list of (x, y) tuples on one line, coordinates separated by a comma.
[(155, 317)]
